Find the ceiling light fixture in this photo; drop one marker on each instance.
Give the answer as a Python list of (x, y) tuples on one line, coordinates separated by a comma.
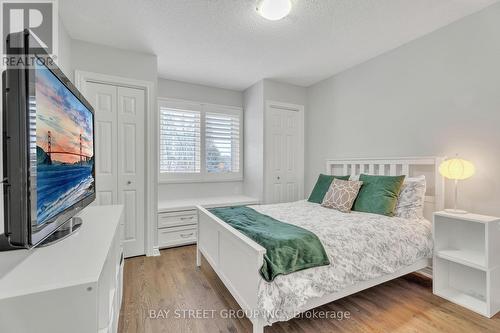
[(274, 9)]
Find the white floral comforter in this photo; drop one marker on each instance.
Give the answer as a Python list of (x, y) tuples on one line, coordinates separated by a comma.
[(360, 247)]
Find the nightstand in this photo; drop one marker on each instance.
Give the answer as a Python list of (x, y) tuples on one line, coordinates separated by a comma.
[(466, 263)]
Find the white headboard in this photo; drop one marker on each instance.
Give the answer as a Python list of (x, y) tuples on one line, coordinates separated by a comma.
[(408, 166)]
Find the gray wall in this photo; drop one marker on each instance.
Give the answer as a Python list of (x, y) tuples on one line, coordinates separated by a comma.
[(199, 93), (64, 51), (254, 100), (111, 61), (284, 92), (438, 95), (253, 143), (204, 94)]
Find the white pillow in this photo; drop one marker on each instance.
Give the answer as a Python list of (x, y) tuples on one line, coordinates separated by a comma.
[(411, 198)]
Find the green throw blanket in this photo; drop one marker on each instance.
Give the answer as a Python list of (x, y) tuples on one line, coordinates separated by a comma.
[(288, 248)]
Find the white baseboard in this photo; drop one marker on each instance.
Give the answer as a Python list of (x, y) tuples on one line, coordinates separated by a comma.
[(155, 252)]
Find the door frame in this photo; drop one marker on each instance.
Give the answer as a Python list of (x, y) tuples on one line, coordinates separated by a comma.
[(289, 107), (151, 201)]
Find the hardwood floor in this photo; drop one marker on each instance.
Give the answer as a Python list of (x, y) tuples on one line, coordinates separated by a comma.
[(172, 283)]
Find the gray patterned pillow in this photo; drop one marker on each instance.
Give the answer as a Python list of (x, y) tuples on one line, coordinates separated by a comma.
[(411, 199), (341, 194)]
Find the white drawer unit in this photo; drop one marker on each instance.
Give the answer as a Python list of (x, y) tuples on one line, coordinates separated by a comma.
[(74, 285), (176, 236), (179, 218), (177, 228)]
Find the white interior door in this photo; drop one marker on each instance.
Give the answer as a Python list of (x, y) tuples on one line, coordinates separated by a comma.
[(103, 98), (131, 160), (120, 160), (284, 153)]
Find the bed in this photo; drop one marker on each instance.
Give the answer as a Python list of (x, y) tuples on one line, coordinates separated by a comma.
[(364, 249)]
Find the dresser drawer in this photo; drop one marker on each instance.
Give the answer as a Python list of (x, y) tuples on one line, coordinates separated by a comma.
[(176, 236), (173, 219)]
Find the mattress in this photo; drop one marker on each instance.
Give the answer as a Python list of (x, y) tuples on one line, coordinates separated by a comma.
[(360, 247)]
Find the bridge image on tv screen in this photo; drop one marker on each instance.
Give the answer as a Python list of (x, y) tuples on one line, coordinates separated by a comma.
[(64, 147)]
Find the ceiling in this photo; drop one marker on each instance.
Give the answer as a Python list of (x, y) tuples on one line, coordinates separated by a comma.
[(225, 43)]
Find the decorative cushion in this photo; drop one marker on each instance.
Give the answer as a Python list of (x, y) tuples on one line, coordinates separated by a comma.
[(411, 199), (322, 186), (379, 194), (341, 195), (354, 177)]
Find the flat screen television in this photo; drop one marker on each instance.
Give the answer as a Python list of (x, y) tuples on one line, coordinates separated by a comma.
[(48, 147)]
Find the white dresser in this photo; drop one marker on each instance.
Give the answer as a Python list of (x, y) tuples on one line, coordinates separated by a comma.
[(74, 285), (466, 265), (178, 219)]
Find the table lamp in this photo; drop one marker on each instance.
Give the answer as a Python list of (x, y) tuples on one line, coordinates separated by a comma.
[(456, 169)]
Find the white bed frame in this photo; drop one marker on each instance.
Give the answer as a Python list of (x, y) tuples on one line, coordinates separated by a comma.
[(237, 259)]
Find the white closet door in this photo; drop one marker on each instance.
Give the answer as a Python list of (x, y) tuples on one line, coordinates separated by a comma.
[(120, 159), (104, 100), (284, 154), (131, 161)]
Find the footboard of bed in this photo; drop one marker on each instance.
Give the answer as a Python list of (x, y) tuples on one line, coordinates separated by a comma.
[(234, 257), (237, 259)]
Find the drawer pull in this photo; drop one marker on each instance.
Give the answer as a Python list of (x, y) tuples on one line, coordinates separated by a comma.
[(187, 218), (187, 235)]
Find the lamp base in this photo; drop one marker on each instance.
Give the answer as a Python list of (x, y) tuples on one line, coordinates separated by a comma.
[(455, 211)]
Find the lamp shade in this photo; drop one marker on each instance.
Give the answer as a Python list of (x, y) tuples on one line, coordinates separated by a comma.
[(457, 168)]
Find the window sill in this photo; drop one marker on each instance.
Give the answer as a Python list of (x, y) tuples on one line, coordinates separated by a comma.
[(200, 180)]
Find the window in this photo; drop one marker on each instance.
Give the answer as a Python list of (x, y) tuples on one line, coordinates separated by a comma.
[(222, 140), (199, 142), (179, 141)]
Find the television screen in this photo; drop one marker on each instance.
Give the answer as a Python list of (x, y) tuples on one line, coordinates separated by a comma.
[(48, 148), (64, 147)]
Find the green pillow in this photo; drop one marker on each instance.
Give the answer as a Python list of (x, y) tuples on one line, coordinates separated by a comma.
[(322, 186), (379, 194)]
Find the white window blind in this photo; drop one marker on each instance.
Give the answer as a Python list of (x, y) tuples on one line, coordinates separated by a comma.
[(222, 141), (180, 141), (200, 142)]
